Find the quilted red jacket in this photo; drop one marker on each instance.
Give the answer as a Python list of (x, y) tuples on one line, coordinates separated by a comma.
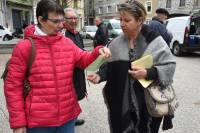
[(52, 100)]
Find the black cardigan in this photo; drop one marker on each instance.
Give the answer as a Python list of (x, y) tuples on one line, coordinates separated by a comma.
[(79, 75)]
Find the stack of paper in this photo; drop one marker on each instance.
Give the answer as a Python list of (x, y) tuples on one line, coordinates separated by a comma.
[(145, 62)]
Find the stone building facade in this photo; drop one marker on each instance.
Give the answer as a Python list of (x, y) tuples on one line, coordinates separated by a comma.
[(17, 13), (2, 12), (76, 4), (180, 7), (89, 12), (107, 9)]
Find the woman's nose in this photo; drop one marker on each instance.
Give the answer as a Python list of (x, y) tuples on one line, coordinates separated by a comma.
[(60, 25)]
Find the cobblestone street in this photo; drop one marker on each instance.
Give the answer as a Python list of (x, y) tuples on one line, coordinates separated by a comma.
[(186, 83), (4, 126)]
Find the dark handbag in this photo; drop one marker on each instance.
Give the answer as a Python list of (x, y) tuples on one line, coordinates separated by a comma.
[(160, 100)]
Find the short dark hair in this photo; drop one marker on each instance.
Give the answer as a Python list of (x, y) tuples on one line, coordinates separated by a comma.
[(46, 6), (162, 11)]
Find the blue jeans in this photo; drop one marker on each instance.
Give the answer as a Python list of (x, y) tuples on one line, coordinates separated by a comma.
[(66, 128)]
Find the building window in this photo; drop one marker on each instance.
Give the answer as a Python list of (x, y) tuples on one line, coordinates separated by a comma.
[(109, 9), (147, 21), (1, 6), (100, 1), (182, 3), (148, 6), (196, 3), (100, 10), (168, 4), (116, 9)]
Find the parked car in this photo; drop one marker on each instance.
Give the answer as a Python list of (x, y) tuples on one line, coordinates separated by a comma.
[(186, 37), (88, 31), (114, 28), (5, 34), (18, 33)]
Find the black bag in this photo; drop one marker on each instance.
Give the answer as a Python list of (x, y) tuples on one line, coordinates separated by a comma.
[(30, 62)]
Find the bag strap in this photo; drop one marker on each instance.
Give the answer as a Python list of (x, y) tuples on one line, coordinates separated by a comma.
[(5, 71), (30, 60), (31, 56)]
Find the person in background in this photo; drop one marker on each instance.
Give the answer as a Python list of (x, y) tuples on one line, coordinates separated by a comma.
[(162, 14), (71, 22), (158, 24), (123, 94), (101, 36), (51, 105)]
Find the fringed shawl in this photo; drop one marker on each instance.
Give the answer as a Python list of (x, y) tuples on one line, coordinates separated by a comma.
[(148, 42)]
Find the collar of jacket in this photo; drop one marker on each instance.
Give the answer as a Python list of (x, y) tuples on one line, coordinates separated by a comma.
[(50, 39), (100, 24)]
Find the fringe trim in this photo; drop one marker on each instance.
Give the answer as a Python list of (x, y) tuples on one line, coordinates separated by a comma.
[(105, 101)]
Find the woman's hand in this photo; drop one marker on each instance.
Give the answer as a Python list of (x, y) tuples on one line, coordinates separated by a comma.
[(105, 52), (94, 78), (138, 73), (19, 130)]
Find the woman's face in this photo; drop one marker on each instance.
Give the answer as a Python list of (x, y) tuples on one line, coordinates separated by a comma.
[(130, 26), (53, 24)]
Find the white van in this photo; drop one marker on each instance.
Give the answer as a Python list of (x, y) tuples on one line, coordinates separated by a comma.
[(114, 28), (186, 37)]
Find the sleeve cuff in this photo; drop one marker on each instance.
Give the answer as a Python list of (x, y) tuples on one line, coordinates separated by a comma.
[(152, 74)]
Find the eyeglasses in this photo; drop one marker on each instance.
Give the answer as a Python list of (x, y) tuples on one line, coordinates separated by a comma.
[(56, 21), (71, 18)]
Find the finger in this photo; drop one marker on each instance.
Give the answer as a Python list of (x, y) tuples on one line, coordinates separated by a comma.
[(109, 52), (96, 80), (130, 71), (105, 52), (93, 81), (135, 68), (90, 77), (101, 51)]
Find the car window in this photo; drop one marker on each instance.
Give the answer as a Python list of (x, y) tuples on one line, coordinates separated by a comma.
[(116, 25), (109, 26), (91, 28), (195, 24)]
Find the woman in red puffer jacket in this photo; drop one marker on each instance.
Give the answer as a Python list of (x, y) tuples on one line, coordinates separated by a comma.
[(52, 100)]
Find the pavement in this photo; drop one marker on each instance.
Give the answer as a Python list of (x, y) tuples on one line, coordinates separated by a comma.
[(94, 112)]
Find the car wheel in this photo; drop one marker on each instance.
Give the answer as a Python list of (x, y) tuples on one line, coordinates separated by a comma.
[(176, 49), (7, 37)]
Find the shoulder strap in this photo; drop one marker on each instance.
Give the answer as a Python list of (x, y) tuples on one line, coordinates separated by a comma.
[(30, 60), (31, 56)]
